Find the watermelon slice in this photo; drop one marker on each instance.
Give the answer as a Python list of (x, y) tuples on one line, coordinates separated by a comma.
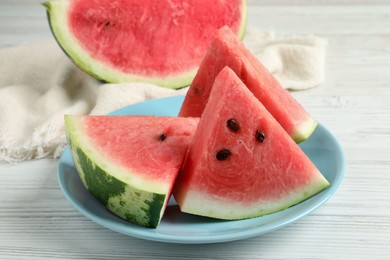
[(227, 50), (160, 42), (241, 163), (129, 163)]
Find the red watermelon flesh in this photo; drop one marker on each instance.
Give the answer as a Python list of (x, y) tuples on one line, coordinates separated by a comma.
[(241, 162), (130, 163), (161, 42), (154, 146), (227, 50)]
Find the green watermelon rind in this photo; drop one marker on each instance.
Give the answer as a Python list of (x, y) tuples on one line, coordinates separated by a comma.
[(133, 199), (56, 13), (305, 130), (207, 206), (242, 30)]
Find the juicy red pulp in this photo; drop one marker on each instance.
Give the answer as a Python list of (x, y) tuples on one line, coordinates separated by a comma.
[(166, 37), (153, 147)]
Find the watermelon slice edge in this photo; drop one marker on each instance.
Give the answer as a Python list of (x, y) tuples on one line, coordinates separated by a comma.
[(107, 62)]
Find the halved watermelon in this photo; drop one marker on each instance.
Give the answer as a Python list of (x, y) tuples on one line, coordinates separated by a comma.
[(227, 50), (241, 163), (160, 42), (130, 163)]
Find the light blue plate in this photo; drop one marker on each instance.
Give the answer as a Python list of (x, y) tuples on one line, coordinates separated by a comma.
[(177, 227)]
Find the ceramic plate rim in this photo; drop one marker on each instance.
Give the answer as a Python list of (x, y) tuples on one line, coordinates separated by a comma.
[(148, 108)]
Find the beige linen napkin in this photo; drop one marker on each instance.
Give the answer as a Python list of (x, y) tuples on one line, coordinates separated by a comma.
[(39, 84)]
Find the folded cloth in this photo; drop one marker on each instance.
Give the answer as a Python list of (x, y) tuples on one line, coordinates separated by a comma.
[(39, 84)]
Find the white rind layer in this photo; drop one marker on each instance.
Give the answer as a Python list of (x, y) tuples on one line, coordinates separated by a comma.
[(306, 130), (199, 202)]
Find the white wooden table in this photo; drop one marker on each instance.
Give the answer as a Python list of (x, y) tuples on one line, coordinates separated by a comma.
[(36, 221)]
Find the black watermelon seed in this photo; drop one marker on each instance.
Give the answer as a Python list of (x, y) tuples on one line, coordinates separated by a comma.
[(107, 24), (260, 136), (162, 137), (233, 125), (223, 155)]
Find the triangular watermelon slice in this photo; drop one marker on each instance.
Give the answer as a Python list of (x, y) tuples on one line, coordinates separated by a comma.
[(242, 163), (227, 50), (130, 163)]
